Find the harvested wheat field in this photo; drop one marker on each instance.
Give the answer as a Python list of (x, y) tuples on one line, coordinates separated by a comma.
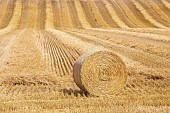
[(40, 41)]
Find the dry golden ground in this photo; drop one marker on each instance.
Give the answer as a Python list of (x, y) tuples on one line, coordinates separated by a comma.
[(41, 40)]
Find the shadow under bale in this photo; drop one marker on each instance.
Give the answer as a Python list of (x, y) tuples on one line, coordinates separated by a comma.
[(74, 92)]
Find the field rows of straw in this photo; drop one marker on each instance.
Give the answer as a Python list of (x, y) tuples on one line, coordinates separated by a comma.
[(40, 40)]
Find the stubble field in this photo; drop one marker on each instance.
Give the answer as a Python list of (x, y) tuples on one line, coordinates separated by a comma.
[(40, 41)]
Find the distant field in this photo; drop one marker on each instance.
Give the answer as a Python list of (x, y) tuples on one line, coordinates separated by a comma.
[(40, 41)]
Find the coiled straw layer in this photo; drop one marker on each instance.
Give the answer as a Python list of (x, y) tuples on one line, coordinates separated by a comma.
[(100, 73)]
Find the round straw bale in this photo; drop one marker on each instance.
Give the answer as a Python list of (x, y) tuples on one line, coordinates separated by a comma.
[(100, 73)]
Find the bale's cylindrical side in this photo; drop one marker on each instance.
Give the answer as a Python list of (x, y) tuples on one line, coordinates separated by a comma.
[(100, 73)]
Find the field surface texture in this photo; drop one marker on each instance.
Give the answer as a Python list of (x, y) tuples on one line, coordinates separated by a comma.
[(40, 40)]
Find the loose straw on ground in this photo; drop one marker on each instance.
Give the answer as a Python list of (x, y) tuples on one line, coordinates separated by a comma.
[(100, 73)]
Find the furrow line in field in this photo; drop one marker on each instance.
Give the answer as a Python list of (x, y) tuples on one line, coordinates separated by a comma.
[(24, 14), (73, 14), (121, 13), (144, 23), (69, 55), (159, 10), (32, 14), (114, 15), (53, 56), (15, 20), (59, 64), (129, 34), (62, 61), (66, 62), (3, 6), (65, 56), (88, 14), (147, 15), (47, 45), (163, 6), (58, 70), (156, 37), (57, 14), (41, 45), (105, 14), (97, 15), (8, 14), (66, 22), (60, 57), (48, 57), (129, 13), (81, 15), (49, 23), (146, 6), (164, 32), (41, 15)]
